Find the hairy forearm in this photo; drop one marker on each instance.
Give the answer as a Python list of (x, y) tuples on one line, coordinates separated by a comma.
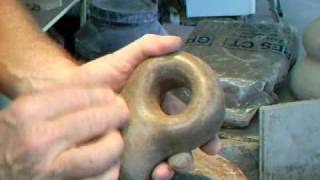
[(29, 60)]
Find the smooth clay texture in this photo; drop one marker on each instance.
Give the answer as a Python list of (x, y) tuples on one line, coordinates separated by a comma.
[(305, 76), (152, 135)]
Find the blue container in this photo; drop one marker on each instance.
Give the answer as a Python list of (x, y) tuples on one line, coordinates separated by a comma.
[(112, 24)]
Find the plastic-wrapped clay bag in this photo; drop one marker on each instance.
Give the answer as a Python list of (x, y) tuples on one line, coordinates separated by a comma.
[(250, 60)]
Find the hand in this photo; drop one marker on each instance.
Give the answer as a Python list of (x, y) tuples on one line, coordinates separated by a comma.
[(114, 69), (62, 133)]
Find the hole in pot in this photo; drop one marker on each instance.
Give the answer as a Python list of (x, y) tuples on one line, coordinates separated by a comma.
[(170, 91), (175, 95), (175, 101)]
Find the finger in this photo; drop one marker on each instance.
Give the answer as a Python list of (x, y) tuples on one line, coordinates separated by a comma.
[(81, 126), (56, 102), (147, 46), (114, 69), (212, 147), (181, 162), (110, 174), (91, 159), (163, 172), (171, 104)]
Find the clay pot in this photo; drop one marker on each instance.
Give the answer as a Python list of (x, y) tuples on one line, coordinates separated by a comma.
[(152, 135), (305, 76)]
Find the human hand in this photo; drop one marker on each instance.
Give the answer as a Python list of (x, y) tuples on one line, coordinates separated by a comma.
[(114, 69), (62, 133)]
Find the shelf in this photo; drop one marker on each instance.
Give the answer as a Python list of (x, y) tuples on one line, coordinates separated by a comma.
[(47, 19)]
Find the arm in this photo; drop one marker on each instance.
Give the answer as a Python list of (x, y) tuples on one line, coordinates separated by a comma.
[(29, 60)]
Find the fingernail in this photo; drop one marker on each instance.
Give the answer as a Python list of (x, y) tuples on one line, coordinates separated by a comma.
[(181, 162)]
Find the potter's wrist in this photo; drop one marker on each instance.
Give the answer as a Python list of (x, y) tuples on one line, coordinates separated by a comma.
[(28, 81)]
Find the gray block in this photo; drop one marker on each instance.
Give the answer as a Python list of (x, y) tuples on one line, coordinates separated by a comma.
[(289, 141)]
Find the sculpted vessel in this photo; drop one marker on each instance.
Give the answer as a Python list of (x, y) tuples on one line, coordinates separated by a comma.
[(152, 135)]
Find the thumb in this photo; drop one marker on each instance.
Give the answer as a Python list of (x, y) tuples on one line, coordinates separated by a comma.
[(114, 69), (181, 162)]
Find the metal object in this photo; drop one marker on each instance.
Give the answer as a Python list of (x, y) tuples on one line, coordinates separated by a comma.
[(152, 135), (276, 9), (84, 12), (289, 141)]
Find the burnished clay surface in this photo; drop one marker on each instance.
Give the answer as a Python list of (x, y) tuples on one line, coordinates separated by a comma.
[(152, 136)]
